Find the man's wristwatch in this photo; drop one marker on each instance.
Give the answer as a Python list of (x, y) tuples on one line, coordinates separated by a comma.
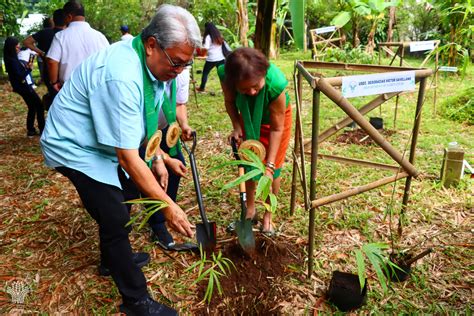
[(158, 157)]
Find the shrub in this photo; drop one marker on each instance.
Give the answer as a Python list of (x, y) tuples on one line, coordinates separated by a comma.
[(460, 107)]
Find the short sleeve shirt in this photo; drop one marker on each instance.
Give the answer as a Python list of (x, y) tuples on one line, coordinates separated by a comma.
[(44, 38), (275, 84), (182, 93), (99, 109), (74, 44)]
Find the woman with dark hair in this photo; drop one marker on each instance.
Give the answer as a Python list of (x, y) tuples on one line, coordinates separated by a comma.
[(212, 43), (17, 74), (259, 107)]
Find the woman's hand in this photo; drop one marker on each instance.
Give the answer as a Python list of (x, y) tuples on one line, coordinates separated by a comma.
[(161, 173), (176, 166), (237, 134)]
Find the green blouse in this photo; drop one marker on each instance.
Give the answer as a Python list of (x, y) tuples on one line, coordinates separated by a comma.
[(275, 84)]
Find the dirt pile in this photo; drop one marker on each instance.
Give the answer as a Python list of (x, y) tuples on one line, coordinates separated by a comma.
[(255, 286)]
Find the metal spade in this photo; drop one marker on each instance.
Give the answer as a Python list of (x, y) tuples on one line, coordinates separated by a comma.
[(244, 225), (205, 231)]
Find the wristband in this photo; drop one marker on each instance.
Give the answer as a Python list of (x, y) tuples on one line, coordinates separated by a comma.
[(53, 83), (271, 165)]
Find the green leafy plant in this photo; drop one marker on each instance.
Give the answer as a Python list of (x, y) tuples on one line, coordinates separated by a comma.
[(460, 107), (151, 207), (257, 169), (211, 270), (374, 252)]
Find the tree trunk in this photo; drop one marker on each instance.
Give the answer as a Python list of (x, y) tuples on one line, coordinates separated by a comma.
[(243, 19), (391, 23), (371, 39), (265, 22), (355, 34), (452, 49)]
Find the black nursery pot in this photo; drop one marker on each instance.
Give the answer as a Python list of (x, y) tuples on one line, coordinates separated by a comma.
[(377, 122), (402, 274), (344, 291)]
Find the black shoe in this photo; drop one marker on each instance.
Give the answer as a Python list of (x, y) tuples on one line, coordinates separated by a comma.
[(164, 239), (145, 307), (32, 133), (141, 259)]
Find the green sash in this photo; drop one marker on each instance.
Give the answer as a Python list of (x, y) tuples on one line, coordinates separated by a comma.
[(252, 122), (169, 110), (151, 110)]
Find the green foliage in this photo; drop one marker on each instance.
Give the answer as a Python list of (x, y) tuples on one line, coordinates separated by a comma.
[(460, 108), (349, 55), (211, 270), (10, 11), (374, 252), (257, 168), (151, 207)]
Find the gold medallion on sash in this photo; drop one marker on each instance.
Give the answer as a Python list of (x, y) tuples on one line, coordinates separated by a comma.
[(255, 146), (153, 145), (173, 134)]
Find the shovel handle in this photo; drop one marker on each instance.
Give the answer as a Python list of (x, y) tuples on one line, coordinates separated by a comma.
[(197, 185)]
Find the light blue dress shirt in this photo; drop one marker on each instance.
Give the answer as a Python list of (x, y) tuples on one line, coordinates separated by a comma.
[(99, 108)]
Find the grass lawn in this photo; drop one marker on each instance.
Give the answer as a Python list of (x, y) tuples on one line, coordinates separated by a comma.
[(49, 242)]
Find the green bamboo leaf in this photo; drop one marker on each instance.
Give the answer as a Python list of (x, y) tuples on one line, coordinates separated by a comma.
[(235, 163), (249, 175), (263, 187), (273, 203), (218, 285), (210, 289), (255, 159), (360, 268)]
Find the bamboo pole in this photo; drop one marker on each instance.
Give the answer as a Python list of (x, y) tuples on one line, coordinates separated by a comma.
[(314, 170), (357, 190)]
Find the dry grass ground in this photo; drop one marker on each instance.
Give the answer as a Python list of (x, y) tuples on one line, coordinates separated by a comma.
[(48, 241)]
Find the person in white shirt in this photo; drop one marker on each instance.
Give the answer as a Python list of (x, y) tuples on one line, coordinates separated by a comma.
[(125, 33), (212, 42), (71, 46), (159, 232)]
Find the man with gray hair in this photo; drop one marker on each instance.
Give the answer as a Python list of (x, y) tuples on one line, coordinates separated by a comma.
[(96, 125)]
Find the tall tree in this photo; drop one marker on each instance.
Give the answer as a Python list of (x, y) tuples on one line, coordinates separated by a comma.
[(265, 29), (243, 18)]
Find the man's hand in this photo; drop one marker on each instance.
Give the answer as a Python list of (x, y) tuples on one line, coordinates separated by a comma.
[(176, 166), (161, 174), (178, 220), (187, 131)]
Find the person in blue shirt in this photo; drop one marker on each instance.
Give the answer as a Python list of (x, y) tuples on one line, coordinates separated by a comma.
[(102, 115)]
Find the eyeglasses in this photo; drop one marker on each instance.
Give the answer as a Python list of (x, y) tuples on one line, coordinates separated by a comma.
[(173, 64)]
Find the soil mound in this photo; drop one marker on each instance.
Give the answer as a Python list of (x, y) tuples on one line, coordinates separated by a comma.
[(253, 288)]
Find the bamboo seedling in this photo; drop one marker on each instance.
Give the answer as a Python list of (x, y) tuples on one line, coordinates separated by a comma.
[(211, 270), (151, 206)]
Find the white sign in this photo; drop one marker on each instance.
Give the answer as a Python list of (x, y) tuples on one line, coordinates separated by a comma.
[(357, 86), (421, 46), (447, 68), (325, 29)]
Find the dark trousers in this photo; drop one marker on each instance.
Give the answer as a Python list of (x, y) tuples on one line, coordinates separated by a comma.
[(104, 203), (35, 108), (207, 69), (158, 219)]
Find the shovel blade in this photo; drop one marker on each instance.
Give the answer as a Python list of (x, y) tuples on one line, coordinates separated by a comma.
[(245, 235), (208, 242)]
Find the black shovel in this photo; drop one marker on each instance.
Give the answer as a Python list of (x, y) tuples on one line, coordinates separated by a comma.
[(205, 231), (244, 225)]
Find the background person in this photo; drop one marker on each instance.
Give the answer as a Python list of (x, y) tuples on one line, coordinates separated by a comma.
[(40, 42), (71, 46), (18, 74), (176, 112), (125, 33), (212, 43), (255, 88), (97, 124)]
